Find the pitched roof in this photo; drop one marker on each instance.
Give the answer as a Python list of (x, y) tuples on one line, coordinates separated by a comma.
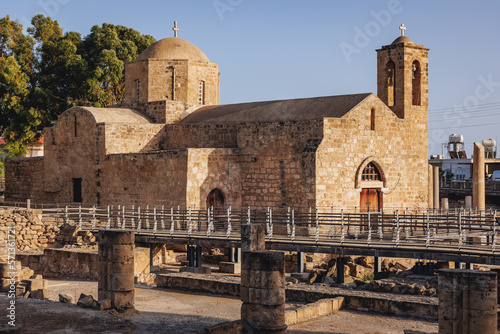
[(277, 111)]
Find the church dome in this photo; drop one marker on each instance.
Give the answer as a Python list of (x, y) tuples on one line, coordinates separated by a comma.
[(402, 39), (173, 48)]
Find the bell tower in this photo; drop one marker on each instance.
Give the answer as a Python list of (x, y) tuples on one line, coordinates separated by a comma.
[(402, 78)]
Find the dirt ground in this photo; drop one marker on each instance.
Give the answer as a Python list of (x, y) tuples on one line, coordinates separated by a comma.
[(169, 311)]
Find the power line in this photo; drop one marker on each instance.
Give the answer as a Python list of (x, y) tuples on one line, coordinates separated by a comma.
[(466, 126)]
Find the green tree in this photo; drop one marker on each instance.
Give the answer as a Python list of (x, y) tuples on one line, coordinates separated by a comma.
[(47, 71)]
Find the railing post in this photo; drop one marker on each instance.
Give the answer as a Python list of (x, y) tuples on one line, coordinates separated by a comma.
[(172, 223), (270, 223), (66, 214), (155, 221), (309, 228), (108, 225), (163, 217), (316, 238), (369, 239), (342, 231), (398, 236), (332, 222), (190, 223), (494, 236), (132, 219), (229, 229), (123, 217), (93, 218), (293, 225), (118, 214), (80, 215), (146, 213), (288, 232), (139, 221)]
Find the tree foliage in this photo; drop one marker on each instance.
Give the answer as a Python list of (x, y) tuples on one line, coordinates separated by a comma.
[(46, 71)]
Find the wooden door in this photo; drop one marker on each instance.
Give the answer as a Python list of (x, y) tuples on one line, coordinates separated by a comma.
[(370, 200), (215, 199)]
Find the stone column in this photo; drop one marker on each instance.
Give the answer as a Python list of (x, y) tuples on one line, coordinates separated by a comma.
[(445, 205), (435, 187), (468, 202), (263, 292), (478, 191), (467, 301), (430, 187), (262, 283), (116, 269), (253, 238)]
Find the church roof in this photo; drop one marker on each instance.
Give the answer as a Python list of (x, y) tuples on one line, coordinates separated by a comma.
[(114, 115), (173, 48), (402, 39), (277, 111)]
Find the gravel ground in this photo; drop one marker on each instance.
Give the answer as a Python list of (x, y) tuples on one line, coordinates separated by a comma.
[(170, 311), (351, 322)]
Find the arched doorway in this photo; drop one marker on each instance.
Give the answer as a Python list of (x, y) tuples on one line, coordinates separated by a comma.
[(371, 189), (216, 199)]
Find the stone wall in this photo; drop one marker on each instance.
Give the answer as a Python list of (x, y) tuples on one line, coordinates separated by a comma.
[(174, 80), (31, 232), (199, 136), (79, 263), (130, 138), (278, 168), (25, 179), (210, 168), (157, 178), (397, 146)]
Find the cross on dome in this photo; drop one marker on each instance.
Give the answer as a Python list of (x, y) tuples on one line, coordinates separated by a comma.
[(175, 29), (402, 28)]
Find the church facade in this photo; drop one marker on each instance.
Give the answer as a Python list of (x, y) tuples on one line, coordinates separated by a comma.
[(171, 143)]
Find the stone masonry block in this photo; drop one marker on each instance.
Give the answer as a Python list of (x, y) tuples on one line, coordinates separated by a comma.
[(122, 253), (123, 237), (263, 316), (264, 261), (253, 237), (291, 317), (122, 299), (122, 282)]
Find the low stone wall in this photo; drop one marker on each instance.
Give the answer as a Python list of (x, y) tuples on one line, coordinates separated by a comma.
[(78, 263), (31, 232), (314, 310), (385, 303), (61, 262)]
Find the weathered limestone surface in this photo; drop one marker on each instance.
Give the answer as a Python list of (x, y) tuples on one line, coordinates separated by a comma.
[(30, 232), (149, 152), (80, 263), (467, 301), (116, 268), (478, 186), (263, 292)]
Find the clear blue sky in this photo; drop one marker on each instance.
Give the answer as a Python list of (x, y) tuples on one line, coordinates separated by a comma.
[(268, 50)]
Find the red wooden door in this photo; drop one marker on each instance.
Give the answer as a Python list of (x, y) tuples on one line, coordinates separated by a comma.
[(370, 200)]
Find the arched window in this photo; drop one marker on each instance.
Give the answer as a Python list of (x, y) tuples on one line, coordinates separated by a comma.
[(391, 81), (415, 92), (216, 199), (371, 173), (201, 93)]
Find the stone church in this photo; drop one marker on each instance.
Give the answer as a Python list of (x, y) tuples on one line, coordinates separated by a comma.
[(171, 142)]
